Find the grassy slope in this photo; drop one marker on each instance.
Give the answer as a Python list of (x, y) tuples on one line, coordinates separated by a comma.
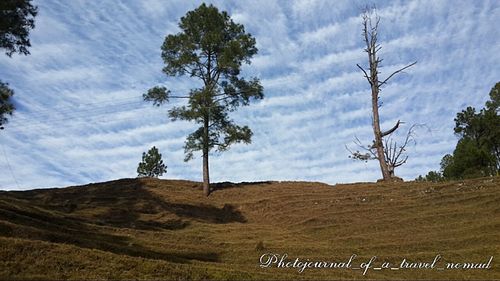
[(166, 229)]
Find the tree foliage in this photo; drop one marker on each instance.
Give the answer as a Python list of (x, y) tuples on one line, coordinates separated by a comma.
[(469, 160), (477, 153), (493, 104), (16, 21), (151, 164), (432, 176), (210, 48), (6, 106)]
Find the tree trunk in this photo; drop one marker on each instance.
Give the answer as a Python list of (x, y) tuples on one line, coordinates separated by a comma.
[(375, 87), (206, 174), (379, 146)]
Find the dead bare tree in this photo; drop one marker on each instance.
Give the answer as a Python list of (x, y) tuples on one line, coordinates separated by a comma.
[(370, 34)]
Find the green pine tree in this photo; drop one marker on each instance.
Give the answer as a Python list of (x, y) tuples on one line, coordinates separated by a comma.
[(477, 153), (210, 48), (151, 164)]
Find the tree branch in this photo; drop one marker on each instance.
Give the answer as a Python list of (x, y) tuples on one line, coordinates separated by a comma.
[(388, 132), (396, 72), (401, 162), (358, 155), (366, 75)]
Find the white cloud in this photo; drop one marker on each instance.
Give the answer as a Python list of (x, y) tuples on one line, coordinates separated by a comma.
[(80, 117)]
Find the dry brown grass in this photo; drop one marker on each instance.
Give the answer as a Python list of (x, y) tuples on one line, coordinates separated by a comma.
[(166, 229)]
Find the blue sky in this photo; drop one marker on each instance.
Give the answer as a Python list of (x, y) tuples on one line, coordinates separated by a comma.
[(80, 117)]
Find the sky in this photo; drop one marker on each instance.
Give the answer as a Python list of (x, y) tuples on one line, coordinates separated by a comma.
[(80, 117)]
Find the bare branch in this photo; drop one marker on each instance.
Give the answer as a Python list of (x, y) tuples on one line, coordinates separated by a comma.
[(358, 155), (366, 75), (368, 148), (393, 152), (396, 72), (390, 131), (401, 162), (347, 148)]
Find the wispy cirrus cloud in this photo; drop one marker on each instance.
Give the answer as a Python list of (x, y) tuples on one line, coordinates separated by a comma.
[(81, 119)]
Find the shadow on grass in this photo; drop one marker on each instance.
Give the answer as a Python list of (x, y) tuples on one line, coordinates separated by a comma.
[(50, 216), (126, 200), (205, 213), (127, 210), (34, 224), (75, 215)]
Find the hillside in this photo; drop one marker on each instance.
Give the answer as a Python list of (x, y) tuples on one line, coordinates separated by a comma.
[(166, 229)]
